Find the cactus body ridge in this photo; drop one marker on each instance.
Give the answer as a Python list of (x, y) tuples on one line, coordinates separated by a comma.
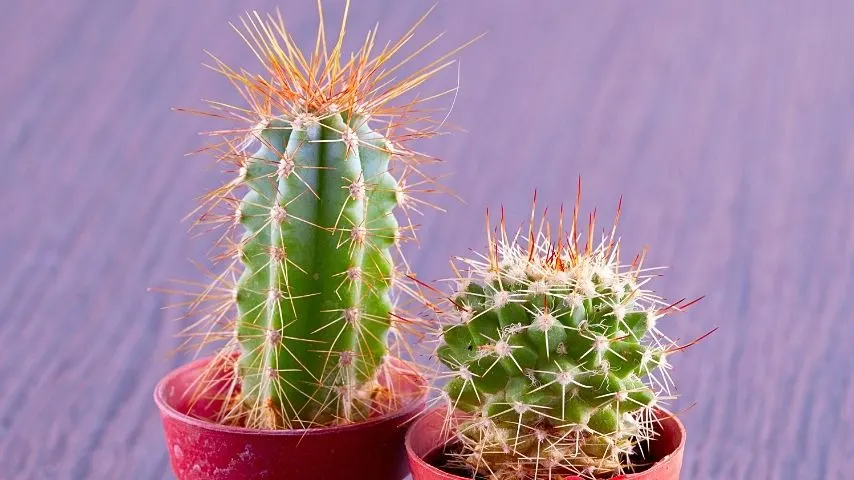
[(313, 302)]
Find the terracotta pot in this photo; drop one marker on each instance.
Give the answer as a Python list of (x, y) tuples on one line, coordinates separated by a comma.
[(202, 450), (425, 437)]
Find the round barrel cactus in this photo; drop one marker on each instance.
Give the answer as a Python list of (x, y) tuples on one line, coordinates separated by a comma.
[(554, 355)]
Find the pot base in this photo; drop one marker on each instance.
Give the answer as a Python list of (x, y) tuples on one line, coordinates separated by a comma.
[(203, 450), (426, 444)]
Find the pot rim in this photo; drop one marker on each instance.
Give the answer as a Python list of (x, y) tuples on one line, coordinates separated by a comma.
[(407, 441), (168, 410), (658, 465)]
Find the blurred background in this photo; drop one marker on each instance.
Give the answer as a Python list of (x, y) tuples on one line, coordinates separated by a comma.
[(724, 125)]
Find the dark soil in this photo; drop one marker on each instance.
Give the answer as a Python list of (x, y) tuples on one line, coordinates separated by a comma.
[(441, 456)]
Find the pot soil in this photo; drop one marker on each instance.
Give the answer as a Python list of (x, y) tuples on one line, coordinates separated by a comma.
[(426, 444), (200, 449)]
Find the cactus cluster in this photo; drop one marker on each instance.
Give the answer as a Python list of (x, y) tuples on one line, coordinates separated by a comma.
[(320, 170), (554, 354)]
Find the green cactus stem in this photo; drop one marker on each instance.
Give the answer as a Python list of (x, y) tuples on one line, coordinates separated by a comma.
[(313, 300), (311, 221), (554, 354)]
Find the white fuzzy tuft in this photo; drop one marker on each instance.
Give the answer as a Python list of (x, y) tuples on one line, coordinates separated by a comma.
[(500, 298), (544, 322), (278, 214), (350, 138)]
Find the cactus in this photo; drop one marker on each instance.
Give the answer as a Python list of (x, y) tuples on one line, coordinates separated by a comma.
[(555, 357), (313, 304), (304, 305)]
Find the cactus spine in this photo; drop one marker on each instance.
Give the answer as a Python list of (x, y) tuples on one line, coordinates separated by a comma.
[(304, 305), (554, 355)]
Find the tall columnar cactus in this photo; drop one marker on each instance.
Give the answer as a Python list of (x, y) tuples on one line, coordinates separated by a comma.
[(313, 304), (554, 355), (304, 305)]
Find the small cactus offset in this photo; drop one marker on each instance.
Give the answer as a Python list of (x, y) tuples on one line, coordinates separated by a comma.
[(554, 355), (304, 305)]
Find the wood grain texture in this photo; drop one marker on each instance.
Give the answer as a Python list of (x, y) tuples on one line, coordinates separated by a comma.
[(725, 125)]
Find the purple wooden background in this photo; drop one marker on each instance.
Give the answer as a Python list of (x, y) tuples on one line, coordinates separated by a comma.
[(726, 125)]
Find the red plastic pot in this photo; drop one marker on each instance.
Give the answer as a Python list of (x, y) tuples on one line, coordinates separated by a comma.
[(426, 436), (202, 450)]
